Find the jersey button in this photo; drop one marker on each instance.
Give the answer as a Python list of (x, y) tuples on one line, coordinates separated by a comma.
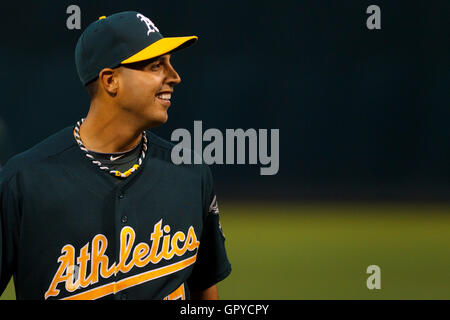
[(121, 195), (124, 219)]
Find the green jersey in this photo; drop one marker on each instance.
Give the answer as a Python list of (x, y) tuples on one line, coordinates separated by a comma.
[(71, 231)]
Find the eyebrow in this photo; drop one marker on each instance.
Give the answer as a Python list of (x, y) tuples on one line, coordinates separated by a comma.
[(153, 60), (159, 59)]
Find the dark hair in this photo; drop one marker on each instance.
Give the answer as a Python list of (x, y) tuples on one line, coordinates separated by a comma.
[(92, 88)]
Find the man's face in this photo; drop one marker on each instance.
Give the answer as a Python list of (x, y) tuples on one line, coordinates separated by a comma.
[(145, 89)]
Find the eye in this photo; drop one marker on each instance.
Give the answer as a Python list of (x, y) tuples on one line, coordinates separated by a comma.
[(155, 66)]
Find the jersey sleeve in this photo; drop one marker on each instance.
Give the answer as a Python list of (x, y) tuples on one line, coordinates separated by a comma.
[(212, 265), (8, 234)]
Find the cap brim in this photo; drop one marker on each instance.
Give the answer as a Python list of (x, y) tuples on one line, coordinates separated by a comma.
[(160, 47)]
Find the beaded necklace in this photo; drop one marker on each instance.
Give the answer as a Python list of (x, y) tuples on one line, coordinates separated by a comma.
[(104, 167)]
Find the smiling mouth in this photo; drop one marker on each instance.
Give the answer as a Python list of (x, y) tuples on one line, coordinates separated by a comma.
[(165, 96)]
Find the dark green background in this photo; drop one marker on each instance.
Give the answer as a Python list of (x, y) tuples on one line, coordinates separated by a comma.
[(360, 112)]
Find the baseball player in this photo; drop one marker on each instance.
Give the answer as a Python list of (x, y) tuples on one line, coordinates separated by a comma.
[(98, 210)]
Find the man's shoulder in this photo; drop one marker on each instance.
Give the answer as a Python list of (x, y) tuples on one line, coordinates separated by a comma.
[(52, 145), (165, 149), (159, 142)]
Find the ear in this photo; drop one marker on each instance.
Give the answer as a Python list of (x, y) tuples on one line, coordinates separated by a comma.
[(108, 81)]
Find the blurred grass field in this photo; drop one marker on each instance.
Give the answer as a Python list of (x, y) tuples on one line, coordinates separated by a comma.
[(321, 251)]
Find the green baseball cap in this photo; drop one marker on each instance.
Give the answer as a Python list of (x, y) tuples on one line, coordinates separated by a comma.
[(121, 38)]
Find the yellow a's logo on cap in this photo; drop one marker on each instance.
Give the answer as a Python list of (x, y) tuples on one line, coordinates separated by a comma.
[(102, 17)]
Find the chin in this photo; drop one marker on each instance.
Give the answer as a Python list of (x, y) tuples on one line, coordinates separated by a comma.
[(158, 120)]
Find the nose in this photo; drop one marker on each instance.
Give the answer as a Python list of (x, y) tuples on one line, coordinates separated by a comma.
[(173, 77)]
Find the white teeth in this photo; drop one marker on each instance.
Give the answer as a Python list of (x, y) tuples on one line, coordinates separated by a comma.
[(165, 96)]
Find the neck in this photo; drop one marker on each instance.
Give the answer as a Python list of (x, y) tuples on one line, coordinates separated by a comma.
[(109, 132)]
